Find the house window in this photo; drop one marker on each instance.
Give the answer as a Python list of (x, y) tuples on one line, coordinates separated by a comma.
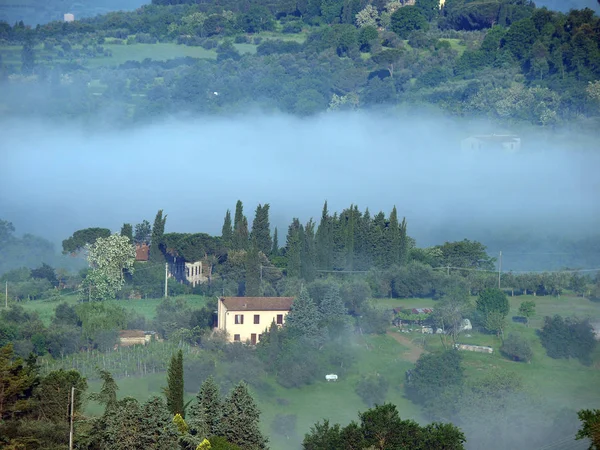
[(239, 319), (236, 337), (279, 319), (256, 319), (259, 336)]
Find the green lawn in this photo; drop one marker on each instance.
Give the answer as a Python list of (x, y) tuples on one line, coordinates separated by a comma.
[(455, 44)]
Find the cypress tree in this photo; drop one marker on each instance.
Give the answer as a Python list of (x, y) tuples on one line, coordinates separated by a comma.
[(324, 241), (240, 228), (293, 249), (379, 247), (309, 255), (174, 389), (253, 271), (393, 239), (261, 229), (127, 230), (241, 420), (27, 55), (227, 231), (403, 246), (349, 235), (333, 311), (275, 249), (158, 231)]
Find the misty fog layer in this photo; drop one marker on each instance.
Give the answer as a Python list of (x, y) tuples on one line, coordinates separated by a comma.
[(58, 179)]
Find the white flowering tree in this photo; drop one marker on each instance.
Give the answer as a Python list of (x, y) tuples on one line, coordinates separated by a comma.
[(108, 259), (367, 17)]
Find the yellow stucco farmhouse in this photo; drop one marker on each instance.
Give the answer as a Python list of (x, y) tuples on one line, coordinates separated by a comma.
[(246, 318)]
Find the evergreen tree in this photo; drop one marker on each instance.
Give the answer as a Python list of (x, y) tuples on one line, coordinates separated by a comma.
[(174, 390), (333, 311), (261, 229), (378, 239), (207, 413), (241, 420), (324, 241), (158, 231), (253, 269), (143, 233), (120, 427), (275, 249), (302, 322), (393, 239), (108, 392), (403, 246), (240, 228), (308, 258), (349, 235), (293, 249), (227, 231), (157, 431), (127, 230)]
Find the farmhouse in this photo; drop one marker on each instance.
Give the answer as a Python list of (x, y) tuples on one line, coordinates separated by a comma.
[(128, 338), (142, 252), (194, 273), (246, 318), (507, 142)]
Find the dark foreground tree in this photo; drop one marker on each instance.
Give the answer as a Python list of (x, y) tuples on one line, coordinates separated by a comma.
[(590, 427), (241, 420), (174, 390), (382, 428)]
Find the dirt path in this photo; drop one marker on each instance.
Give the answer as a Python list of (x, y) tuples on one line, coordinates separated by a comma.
[(413, 352)]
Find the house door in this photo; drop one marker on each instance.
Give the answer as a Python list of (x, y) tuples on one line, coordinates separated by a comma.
[(253, 338)]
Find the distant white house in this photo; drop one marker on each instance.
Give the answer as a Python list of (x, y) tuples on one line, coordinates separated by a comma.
[(507, 142), (68, 17)]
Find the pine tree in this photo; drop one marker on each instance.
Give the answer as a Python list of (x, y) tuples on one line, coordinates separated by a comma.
[(158, 231), (293, 249), (227, 231), (240, 228), (379, 247), (253, 271), (333, 311), (275, 249), (308, 259), (302, 322), (127, 230), (108, 392), (349, 235), (403, 246), (261, 229), (324, 241), (157, 430), (174, 390), (241, 420), (207, 412)]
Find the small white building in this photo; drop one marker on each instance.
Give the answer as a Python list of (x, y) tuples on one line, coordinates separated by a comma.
[(68, 17), (506, 142)]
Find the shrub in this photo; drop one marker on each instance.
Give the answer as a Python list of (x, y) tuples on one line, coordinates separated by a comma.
[(292, 27), (516, 348), (568, 338), (372, 389), (240, 39)]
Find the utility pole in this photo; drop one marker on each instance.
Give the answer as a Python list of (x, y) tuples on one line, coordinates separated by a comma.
[(261, 267), (6, 298), (499, 268), (166, 278), (448, 270), (71, 425)]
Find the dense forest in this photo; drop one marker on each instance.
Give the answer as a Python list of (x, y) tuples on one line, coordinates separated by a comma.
[(506, 60)]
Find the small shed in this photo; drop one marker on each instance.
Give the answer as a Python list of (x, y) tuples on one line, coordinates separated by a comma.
[(507, 142), (128, 338)]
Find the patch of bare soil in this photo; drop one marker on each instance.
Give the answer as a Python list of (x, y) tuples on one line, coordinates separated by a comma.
[(413, 350)]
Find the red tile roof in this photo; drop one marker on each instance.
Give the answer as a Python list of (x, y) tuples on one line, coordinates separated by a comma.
[(257, 303), (141, 252)]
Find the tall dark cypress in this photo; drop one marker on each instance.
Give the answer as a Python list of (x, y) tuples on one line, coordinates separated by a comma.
[(253, 271), (158, 231), (227, 231), (293, 249), (240, 228), (393, 238), (309, 255), (275, 249), (324, 241), (349, 237), (28, 55), (127, 231), (403, 245), (174, 390), (379, 249), (261, 229)]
